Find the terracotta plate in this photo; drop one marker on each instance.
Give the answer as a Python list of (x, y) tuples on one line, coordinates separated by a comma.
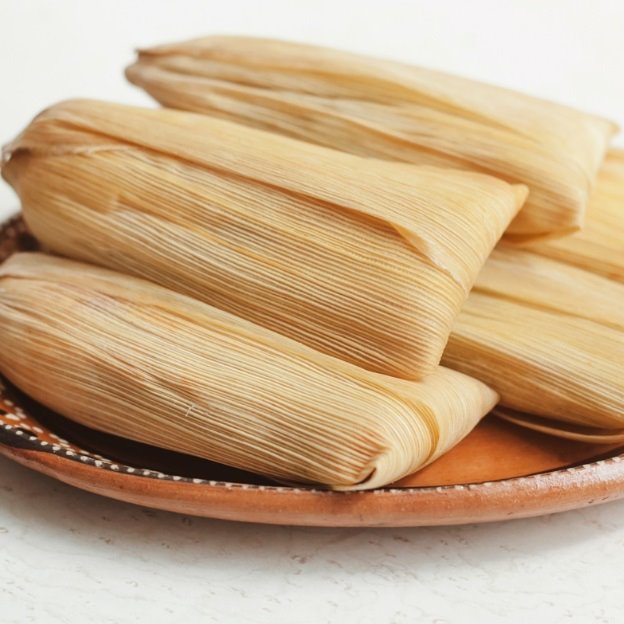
[(499, 471)]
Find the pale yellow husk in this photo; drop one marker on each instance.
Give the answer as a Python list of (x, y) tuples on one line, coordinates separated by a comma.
[(549, 364), (552, 335), (562, 430), (599, 246), (365, 260), (389, 110), (125, 356), (528, 278)]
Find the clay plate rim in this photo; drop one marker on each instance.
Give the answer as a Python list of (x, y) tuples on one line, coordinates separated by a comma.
[(519, 497)]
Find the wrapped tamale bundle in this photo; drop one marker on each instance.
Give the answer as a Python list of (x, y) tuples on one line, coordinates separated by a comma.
[(392, 111), (561, 363), (365, 260), (599, 246), (547, 363), (524, 277), (125, 356)]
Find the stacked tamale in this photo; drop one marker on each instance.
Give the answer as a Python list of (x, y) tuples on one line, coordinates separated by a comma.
[(300, 274)]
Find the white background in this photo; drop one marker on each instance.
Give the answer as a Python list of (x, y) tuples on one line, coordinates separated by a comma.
[(67, 555)]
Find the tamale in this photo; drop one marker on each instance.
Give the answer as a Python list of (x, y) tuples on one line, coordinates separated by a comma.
[(558, 358), (524, 277), (125, 356), (599, 246), (540, 361), (365, 260), (389, 110)]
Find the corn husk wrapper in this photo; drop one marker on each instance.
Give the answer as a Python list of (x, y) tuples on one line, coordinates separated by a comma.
[(569, 431), (599, 246), (392, 111), (553, 337), (553, 365), (130, 358), (528, 278), (368, 261)]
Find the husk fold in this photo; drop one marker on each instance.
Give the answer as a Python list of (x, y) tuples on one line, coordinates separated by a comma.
[(524, 277), (125, 356), (549, 337), (392, 111), (592, 435), (599, 246), (556, 330), (543, 362), (365, 260)]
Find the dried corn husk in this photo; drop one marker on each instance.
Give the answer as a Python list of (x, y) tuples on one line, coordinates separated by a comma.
[(599, 246), (369, 261), (125, 356), (524, 277), (391, 111), (548, 364), (535, 323), (562, 430)]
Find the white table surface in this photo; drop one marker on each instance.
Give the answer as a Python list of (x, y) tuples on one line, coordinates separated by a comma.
[(66, 555)]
